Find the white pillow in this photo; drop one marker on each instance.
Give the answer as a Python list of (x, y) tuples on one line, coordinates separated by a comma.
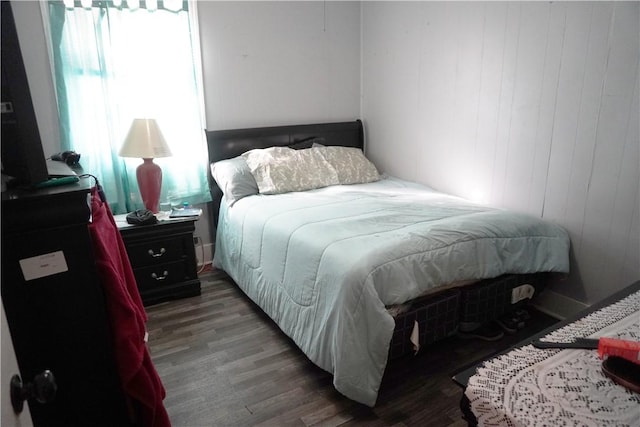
[(234, 179), (350, 164), (282, 169)]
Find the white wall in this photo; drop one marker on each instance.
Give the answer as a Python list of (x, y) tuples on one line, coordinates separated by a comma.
[(526, 105), (275, 63)]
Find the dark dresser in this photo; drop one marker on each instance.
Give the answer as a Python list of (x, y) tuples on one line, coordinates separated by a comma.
[(55, 306)]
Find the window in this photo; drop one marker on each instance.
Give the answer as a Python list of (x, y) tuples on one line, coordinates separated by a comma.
[(114, 62)]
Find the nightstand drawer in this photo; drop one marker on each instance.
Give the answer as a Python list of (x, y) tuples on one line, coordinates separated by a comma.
[(163, 258), (163, 275), (156, 252)]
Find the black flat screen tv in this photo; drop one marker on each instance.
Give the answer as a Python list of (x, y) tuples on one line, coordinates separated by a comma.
[(23, 159)]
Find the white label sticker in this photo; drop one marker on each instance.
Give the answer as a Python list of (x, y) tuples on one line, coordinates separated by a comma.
[(522, 292), (43, 265)]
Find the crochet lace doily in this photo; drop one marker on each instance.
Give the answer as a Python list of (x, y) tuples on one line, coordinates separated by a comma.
[(548, 387)]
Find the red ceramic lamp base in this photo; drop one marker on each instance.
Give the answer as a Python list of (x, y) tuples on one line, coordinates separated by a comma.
[(149, 182)]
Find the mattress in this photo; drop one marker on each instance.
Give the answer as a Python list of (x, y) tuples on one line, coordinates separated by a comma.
[(325, 264)]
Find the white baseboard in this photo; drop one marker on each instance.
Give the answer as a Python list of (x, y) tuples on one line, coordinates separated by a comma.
[(204, 254), (557, 305)]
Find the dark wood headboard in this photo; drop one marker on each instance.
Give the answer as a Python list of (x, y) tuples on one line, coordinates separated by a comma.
[(227, 144)]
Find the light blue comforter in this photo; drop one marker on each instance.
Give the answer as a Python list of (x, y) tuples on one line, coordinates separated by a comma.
[(325, 263)]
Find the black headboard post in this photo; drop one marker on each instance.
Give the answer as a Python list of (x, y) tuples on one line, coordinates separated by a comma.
[(227, 144)]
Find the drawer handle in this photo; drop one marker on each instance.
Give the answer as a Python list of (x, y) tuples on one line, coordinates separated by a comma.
[(165, 274), (156, 255)]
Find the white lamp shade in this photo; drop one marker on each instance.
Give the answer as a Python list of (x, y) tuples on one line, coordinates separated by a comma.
[(145, 140)]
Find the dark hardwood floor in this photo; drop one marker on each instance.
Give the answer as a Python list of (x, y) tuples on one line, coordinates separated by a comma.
[(223, 362)]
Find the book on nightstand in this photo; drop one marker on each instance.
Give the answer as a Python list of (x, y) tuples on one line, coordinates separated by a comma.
[(185, 212)]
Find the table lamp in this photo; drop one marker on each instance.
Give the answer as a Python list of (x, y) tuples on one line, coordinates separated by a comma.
[(145, 141)]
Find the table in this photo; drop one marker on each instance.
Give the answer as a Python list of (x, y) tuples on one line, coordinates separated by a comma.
[(529, 386), (162, 256)]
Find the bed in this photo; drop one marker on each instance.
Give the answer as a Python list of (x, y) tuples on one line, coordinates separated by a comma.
[(357, 267)]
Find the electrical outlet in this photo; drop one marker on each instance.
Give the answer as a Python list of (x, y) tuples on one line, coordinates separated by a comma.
[(196, 240)]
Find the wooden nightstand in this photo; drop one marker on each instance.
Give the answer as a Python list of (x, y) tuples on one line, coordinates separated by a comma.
[(163, 258)]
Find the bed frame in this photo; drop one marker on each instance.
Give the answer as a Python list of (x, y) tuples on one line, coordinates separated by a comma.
[(438, 315)]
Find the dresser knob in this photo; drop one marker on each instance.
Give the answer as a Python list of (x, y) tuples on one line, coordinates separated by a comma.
[(156, 255), (165, 274)]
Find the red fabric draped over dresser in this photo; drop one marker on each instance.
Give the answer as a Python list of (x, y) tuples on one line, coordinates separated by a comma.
[(138, 376)]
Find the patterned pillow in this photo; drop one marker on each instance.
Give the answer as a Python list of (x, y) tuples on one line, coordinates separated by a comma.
[(234, 179), (350, 164), (282, 169)]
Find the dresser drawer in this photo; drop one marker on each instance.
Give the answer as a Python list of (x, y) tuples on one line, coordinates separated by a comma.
[(160, 251), (163, 275)]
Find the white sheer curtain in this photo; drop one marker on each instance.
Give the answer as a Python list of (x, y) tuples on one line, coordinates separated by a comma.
[(113, 64)]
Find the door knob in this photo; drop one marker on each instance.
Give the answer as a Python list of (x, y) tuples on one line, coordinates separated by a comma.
[(43, 389)]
